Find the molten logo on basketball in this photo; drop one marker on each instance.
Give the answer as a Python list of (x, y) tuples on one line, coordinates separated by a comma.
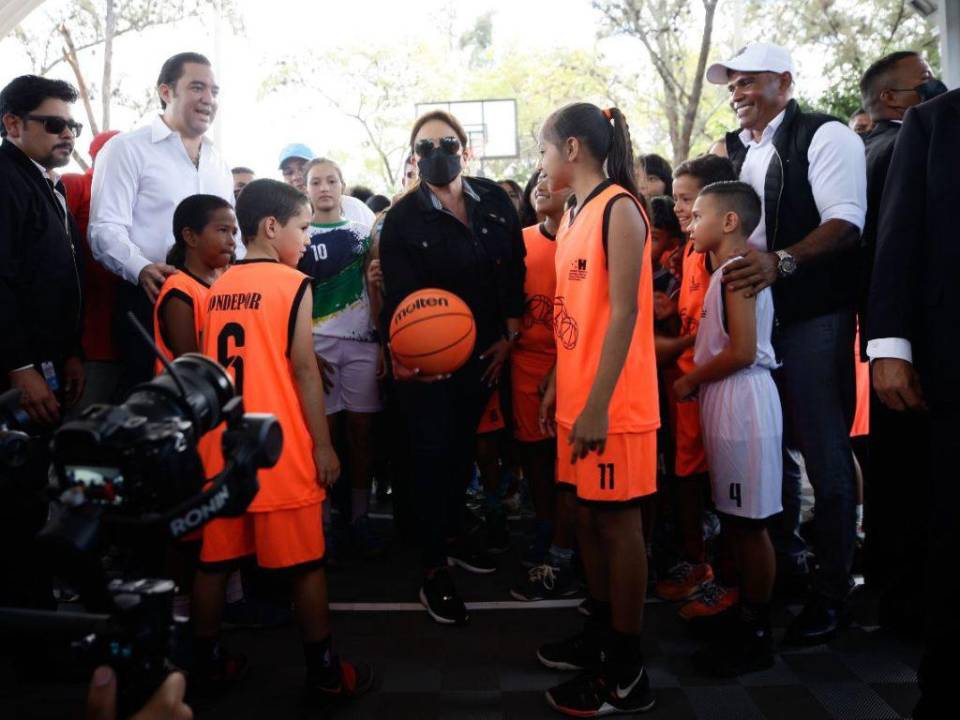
[(419, 304)]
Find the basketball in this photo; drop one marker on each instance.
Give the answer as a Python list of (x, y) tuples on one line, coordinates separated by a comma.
[(433, 331)]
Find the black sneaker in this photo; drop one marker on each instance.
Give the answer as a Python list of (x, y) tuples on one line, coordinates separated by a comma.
[(498, 533), (439, 596), (586, 607), (545, 582), (213, 676), (476, 561), (817, 623), (351, 682), (580, 652), (593, 694), (743, 649)]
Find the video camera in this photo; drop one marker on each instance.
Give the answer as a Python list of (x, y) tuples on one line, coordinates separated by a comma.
[(136, 467)]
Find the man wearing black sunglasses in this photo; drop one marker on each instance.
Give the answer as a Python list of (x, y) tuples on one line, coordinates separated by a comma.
[(40, 304)]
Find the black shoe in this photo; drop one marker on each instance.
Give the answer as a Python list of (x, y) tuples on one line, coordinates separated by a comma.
[(817, 623), (475, 561), (353, 680), (498, 533), (742, 649), (594, 694), (545, 582), (582, 651), (439, 596), (213, 676), (586, 607)]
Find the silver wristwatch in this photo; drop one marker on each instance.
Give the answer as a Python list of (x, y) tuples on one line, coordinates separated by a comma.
[(786, 265)]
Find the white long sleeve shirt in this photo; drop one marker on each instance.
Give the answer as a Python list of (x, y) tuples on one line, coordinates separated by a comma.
[(139, 179), (837, 173)]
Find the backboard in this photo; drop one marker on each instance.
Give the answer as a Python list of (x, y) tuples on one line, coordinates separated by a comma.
[(491, 125)]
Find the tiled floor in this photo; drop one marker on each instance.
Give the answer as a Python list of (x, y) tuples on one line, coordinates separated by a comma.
[(488, 669)]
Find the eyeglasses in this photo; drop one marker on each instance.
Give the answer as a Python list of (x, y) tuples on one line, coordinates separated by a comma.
[(54, 124), (449, 145)]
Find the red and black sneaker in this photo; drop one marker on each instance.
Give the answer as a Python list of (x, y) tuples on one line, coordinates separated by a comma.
[(351, 682), (594, 694), (215, 675)]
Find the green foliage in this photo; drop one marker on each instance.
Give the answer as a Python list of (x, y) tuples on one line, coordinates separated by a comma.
[(850, 35)]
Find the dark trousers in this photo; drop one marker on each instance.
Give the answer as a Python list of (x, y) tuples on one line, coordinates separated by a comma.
[(938, 667), (895, 501), (136, 357), (818, 393), (441, 420)]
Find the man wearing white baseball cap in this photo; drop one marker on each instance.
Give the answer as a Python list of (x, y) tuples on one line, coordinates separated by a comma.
[(810, 173)]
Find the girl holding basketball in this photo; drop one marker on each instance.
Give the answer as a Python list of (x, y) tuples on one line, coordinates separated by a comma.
[(460, 235), (605, 393)]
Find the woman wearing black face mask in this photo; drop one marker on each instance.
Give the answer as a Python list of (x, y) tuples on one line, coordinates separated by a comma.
[(461, 234)]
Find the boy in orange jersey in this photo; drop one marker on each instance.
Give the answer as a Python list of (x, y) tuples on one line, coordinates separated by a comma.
[(532, 361), (258, 324), (692, 575)]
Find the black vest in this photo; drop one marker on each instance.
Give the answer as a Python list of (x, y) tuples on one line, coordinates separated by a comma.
[(791, 214)]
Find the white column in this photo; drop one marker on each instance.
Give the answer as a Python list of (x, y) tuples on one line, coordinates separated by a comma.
[(948, 22)]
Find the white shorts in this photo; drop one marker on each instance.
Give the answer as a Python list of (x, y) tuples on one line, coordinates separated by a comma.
[(743, 438), (355, 387)]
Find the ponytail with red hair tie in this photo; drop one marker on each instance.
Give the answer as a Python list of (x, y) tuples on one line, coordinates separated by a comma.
[(608, 113)]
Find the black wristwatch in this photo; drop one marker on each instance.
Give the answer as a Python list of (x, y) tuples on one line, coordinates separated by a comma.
[(786, 265)]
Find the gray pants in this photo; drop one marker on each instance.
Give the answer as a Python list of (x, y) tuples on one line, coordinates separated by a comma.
[(818, 394)]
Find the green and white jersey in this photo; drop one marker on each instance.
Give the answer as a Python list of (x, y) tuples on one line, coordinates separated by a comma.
[(334, 260)]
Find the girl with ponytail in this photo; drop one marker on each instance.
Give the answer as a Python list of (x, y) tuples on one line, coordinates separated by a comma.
[(602, 398), (204, 232)]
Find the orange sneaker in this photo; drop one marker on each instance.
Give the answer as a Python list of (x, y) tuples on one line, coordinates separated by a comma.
[(685, 580), (714, 599)]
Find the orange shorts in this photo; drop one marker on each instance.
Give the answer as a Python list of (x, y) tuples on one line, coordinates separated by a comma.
[(527, 371), (492, 419), (691, 458), (279, 538), (626, 471)]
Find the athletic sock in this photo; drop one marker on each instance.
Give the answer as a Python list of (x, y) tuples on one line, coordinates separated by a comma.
[(205, 649), (624, 657), (322, 665), (756, 616), (234, 591), (559, 557), (359, 503)]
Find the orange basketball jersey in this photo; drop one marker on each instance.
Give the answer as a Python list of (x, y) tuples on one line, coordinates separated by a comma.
[(582, 316), (693, 289), (539, 289), (248, 328), (184, 286)]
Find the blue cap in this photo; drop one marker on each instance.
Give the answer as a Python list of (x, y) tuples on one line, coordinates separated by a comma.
[(295, 150)]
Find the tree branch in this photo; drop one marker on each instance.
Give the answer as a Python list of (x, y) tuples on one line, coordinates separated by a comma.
[(70, 57)]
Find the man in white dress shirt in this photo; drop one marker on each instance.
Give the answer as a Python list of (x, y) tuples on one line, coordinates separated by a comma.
[(139, 180), (809, 171)]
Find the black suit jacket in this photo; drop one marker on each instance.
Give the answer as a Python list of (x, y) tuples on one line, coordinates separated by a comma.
[(40, 272), (878, 144), (914, 293)]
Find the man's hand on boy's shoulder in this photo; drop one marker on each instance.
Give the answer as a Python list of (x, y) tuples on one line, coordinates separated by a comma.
[(753, 272)]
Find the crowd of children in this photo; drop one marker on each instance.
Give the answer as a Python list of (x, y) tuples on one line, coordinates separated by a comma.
[(623, 367)]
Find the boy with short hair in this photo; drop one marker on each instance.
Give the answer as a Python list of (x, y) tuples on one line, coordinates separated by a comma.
[(692, 577), (258, 324), (742, 420)]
